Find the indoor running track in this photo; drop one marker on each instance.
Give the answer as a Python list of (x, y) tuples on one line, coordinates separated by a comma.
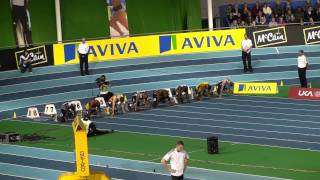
[(245, 119)]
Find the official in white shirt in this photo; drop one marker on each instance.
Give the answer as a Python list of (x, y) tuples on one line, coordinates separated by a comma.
[(83, 51), (178, 159), (302, 69), (246, 47)]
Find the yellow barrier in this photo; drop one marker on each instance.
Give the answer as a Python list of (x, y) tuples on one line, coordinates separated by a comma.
[(256, 88), (154, 45)]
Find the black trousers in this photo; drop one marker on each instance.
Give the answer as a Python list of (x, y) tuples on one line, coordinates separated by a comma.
[(177, 177), (84, 60), (246, 59), (19, 14), (302, 77), (28, 67)]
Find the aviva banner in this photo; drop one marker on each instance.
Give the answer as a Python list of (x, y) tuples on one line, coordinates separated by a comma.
[(155, 45), (256, 88)]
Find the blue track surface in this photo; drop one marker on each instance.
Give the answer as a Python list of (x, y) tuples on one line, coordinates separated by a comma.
[(244, 119)]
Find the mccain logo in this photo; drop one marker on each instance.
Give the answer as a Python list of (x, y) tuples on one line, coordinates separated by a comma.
[(37, 55), (312, 35), (270, 37)]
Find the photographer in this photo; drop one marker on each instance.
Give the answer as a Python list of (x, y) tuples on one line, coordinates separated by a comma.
[(25, 62), (103, 85)]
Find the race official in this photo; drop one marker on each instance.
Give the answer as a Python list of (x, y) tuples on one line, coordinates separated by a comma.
[(246, 47), (178, 159), (83, 51), (302, 69)]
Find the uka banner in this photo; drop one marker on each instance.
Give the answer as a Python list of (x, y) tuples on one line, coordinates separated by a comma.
[(118, 20)]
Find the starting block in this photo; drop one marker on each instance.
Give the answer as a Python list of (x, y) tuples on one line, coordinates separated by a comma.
[(77, 104), (33, 113), (170, 96), (50, 109), (191, 93), (102, 102)]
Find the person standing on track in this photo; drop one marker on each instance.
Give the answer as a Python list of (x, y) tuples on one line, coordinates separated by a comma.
[(83, 51), (302, 69), (178, 159), (246, 47)]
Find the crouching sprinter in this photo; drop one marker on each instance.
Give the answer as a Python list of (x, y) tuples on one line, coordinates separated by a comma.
[(183, 93), (163, 96), (116, 101), (138, 99), (93, 107), (67, 111), (223, 87), (104, 85), (202, 89)]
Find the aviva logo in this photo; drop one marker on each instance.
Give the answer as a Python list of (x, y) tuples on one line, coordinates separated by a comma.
[(168, 43), (256, 88), (193, 42)]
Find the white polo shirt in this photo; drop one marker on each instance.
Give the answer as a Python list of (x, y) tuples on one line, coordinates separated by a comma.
[(246, 45), (302, 61), (83, 48), (176, 161)]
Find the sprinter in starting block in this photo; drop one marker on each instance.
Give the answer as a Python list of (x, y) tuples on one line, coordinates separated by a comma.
[(93, 107), (138, 99), (183, 92), (67, 111), (223, 87), (202, 89), (162, 96), (119, 100)]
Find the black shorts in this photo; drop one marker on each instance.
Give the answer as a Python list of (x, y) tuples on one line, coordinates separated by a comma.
[(177, 177)]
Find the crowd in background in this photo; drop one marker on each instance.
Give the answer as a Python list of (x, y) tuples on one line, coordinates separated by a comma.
[(278, 14)]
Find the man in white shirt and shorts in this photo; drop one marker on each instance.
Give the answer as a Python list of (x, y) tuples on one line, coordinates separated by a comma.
[(178, 159), (302, 69), (246, 46)]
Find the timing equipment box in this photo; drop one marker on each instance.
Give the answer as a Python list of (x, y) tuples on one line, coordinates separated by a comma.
[(9, 137)]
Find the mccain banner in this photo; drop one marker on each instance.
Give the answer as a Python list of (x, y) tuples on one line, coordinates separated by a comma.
[(278, 36), (311, 35), (40, 56)]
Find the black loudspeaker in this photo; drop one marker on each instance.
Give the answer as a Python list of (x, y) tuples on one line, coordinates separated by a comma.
[(213, 145)]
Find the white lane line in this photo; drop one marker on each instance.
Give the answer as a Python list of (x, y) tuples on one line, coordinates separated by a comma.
[(277, 50), (231, 115), (270, 102), (249, 111), (255, 106), (23, 177), (205, 132), (212, 126), (227, 121)]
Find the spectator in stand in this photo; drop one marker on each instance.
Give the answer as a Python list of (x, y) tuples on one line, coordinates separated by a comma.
[(299, 16), (234, 24), (309, 14), (262, 21), (289, 16), (243, 23), (267, 11), (245, 12), (281, 21), (318, 13), (259, 17), (256, 9), (273, 22), (249, 18), (307, 5), (288, 5), (278, 9), (253, 23)]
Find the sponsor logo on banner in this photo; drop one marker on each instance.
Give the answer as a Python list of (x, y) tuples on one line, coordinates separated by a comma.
[(255, 88), (304, 93), (155, 45), (37, 55), (201, 41), (269, 37), (312, 35)]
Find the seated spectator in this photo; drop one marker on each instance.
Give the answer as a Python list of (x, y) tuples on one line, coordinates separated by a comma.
[(245, 12), (234, 24), (267, 11), (288, 5), (243, 24), (299, 15), (281, 21), (318, 13), (25, 62), (278, 9), (256, 9), (253, 23), (249, 19), (289, 16), (310, 21), (273, 22), (309, 14), (307, 5)]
